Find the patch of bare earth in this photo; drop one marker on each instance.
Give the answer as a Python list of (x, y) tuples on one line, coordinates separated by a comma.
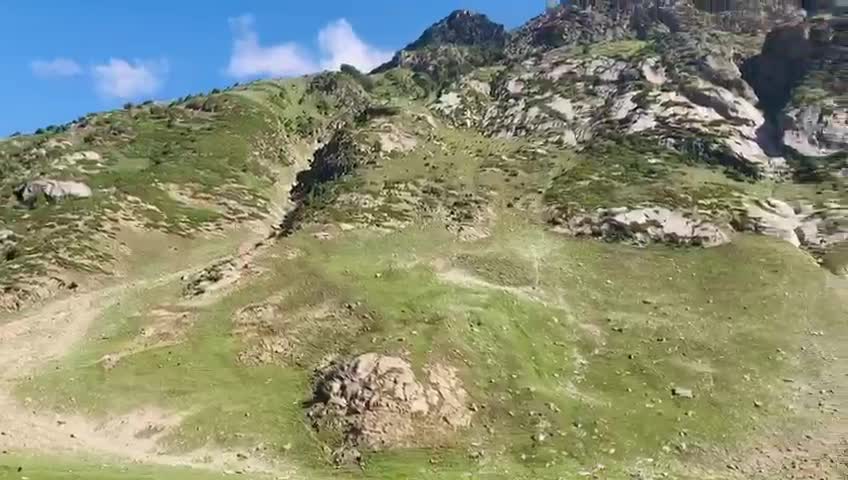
[(274, 334), (49, 332), (165, 327)]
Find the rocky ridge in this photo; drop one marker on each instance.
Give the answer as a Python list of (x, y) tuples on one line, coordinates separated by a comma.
[(756, 90)]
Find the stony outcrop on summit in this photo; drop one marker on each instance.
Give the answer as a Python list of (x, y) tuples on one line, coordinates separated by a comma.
[(456, 44)]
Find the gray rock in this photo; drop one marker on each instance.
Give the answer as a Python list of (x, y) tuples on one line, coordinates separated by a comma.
[(816, 130), (800, 225), (376, 401), (647, 225), (28, 193), (691, 92), (682, 392)]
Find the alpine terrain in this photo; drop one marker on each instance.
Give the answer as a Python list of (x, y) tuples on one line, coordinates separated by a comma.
[(611, 243)]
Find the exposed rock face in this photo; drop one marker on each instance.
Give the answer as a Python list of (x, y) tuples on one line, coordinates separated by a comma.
[(342, 91), (751, 17), (377, 402), (567, 26), (816, 130), (338, 157), (454, 45), (646, 225), (801, 225), (690, 96), (815, 121), (801, 78), (462, 27), (52, 191)]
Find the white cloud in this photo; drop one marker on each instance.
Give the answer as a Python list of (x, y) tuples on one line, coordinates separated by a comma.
[(125, 80), (249, 58), (338, 44), (58, 67)]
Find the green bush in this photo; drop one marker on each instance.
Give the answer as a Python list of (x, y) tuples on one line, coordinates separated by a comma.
[(364, 80)]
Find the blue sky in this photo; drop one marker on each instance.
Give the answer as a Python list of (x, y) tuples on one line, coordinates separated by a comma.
[(64, 59)]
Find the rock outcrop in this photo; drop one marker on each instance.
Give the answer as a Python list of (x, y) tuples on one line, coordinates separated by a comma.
[(643, 226), (567, 26), (815, 121), (802, 225), (801, 78), (685, 91), (454, 45), (52, 191), (377, 402)]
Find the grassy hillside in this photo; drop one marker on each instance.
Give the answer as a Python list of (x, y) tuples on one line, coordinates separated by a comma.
[(623, 327), (401, 235)]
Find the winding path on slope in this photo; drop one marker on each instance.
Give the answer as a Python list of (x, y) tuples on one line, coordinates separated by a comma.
[(49, 332)]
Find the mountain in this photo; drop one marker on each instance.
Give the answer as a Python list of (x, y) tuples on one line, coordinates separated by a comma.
[(458, 43), (611, 243)]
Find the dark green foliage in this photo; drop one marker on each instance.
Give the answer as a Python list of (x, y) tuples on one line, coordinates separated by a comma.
[(377, 111), (364, 80)]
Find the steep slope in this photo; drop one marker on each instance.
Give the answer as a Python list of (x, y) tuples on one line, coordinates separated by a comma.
[(424, 305)]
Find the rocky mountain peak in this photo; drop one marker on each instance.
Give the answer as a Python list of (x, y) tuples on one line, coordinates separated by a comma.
[(462, 27), (567, 25), (462, 40)]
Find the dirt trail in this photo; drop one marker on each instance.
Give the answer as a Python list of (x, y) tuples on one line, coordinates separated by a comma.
[(51, 331), (48, 334)]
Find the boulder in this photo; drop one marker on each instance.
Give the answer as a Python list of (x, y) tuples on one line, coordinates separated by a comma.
[(647, 225), (52, 190), (376, 401), (774, 218)]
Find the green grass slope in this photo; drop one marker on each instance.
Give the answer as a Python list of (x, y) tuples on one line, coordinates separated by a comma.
[(413, 239), (580, 341)]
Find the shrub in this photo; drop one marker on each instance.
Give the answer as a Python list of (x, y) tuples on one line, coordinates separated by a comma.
[(364, 80)]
